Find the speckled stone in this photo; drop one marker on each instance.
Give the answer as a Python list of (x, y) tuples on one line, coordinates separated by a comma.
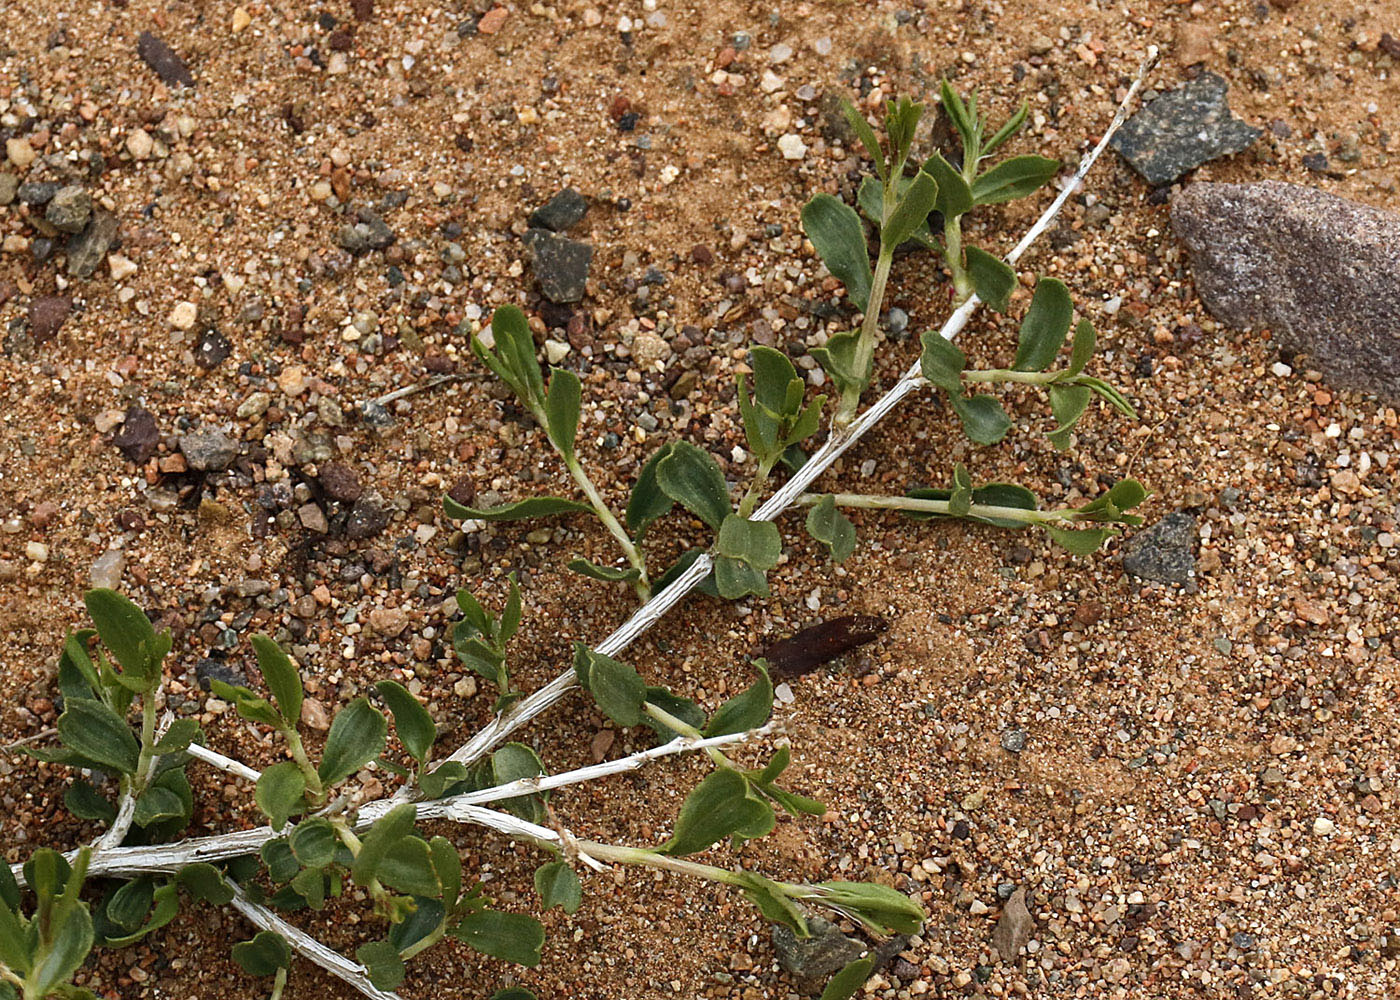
[(1182, 129), (1321, 272)]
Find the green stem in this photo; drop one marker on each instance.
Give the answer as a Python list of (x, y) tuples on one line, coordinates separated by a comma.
[(685, 729), (1007, 375), (424, 944), (298, 752), (867, 502), (755, 490), (634, 556), (146, 757), (953, 257), (650, 859), (279, 983)]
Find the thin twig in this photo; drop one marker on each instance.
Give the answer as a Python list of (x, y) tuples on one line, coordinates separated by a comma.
[(155, 858), (307, 946), (533, 704), (42, 734), (409, 390), (223, 763)]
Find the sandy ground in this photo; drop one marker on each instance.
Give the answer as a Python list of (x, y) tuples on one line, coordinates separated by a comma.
[(1205, 804)]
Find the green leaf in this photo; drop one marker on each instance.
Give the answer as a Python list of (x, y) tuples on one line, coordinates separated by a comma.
[(510, 615), (737, 578), (357, 736), (558, 886), (1012, 126), (674, 571), (281, 677), (746, 710), (835, 230), (387, 831), (281, 863), (832, 528), (156, 803), (912, 210), (942, 363), (178, 737), (963, 118), (561, 410), (879, 908), (313, 841), (447, 865), (77, 677), (617, 688), (1081, 542), (408, 867), (901, 122), (1067, 403), (839, 359), (984, 420), (249, 705), (992, 278), (412, 722), (444, 778), (865, 134), (280, 792), (773, 903), (127, 632), (954, 196), (1044, 327), (1082, 349), (204, 882), (691, 477), (608, 574), (127, 907), (511, 937), (512, 762), (263, 955), (85, 802), (382, 963), (422, 922), (758, 543), (648, 501), (1014, 178), (514, 356), (14, 948), (70, 941), (960, 500), (851, 978), (519, 510), (722, 805), (92, 729)]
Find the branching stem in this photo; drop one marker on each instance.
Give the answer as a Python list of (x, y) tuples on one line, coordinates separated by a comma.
[(595, 499)]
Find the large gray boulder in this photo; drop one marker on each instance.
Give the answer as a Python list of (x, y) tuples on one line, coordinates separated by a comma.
[(1321, 272)]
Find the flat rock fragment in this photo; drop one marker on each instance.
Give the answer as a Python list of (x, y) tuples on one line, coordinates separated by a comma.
[(162, 58), (1182, 129), (1321, 272)]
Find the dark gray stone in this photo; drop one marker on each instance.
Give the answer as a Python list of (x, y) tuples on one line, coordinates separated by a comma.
[(210, 669), (87, 250), (162, 58), (812, 961), (369, 233), (138, 436), (560, 264), (212, 350), (209, 450), (1013, 740), (565, 209), (1321, 272), (1182, 129), (1014, 926), (367, 518), (1163, 552), (70, 209), (36, 193)]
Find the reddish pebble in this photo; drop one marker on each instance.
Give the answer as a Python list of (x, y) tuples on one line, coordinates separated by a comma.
[(492, 21)]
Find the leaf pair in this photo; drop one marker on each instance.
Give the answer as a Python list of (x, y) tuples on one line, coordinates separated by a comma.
[(480, 639), (44, 949), (774, 417)]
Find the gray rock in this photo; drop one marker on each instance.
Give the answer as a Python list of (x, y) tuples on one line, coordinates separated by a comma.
[(1013, 740), (9, 187), (70, 209), (369, 233), (35, 193), (813, 960), (560, 264), (210, 669), (367, 518), (565, 209), (1182, 129), (209, 450), (1163, 552), (88, 249), (1013, 927), (1321, 272), (139, 435), (212, 349)]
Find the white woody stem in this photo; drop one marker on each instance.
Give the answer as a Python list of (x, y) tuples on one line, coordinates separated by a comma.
[(646, 616), (307, 946)]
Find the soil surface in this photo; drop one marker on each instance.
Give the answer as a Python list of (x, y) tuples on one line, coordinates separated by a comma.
[(1195, 783)]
